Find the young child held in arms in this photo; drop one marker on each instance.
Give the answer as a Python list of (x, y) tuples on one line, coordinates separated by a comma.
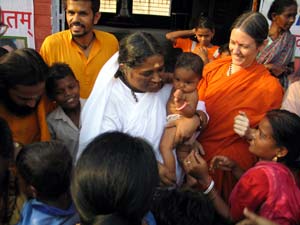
[(183, 102), (204, 31), (44, 170), (64, 121)]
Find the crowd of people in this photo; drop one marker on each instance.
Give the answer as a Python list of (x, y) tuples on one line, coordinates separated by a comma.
[(93, 131)]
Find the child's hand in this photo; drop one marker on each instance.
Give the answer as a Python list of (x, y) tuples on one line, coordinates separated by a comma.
[(178, 97), (202, 52), (223, 163)]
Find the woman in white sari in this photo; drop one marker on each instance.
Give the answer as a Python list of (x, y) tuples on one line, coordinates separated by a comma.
[(130, 96)]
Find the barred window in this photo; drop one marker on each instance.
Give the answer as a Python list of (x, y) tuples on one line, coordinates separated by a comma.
[(143, 7), (152, 7), (109, 6)]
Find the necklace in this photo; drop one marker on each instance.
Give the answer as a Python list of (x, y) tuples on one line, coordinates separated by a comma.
[(134, 96), (229, 72), (84, 47), (122, 78)]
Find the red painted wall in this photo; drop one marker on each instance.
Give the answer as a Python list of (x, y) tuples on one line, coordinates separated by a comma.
[(42, 21)]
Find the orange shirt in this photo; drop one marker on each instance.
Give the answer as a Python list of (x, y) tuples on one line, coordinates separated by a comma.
[(186, 45), (59, 47), (31, 128), (252, 90)]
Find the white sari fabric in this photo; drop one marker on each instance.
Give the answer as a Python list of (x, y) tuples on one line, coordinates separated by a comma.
[(112, 107)]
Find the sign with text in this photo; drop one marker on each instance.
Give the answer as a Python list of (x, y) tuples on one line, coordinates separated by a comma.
[(19, 16)]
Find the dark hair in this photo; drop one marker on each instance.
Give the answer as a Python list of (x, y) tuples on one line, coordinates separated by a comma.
[(114, 180), (137, 47), (95, 4), (57, 71), (278, 7), (204, 22), (286, 133), (6, 140), (254, 24), (22, 67), (182, 207), (47, 166), (190, 61), (224, 48)]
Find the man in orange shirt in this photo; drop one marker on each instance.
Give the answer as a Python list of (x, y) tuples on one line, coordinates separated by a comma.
[(22, 101), (85, 49)]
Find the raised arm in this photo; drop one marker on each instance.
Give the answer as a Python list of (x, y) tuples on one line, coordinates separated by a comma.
[(172, 36), (196, 166)]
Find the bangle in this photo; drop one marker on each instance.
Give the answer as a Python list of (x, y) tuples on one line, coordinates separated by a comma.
[(182, 107), (210, 187), (201, 121)]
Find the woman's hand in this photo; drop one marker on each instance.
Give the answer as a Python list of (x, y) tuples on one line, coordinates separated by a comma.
[(241, 125), (185, 127), (196, 166), (226, 164), (166, 177), (253, 219), (223, 163)]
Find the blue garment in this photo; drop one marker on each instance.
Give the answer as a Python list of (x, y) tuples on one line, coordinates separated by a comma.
[(149, 218), (36, 213)]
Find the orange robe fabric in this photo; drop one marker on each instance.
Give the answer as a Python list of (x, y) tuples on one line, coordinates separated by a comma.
[(186, 46), (252, 90), (31, 128)]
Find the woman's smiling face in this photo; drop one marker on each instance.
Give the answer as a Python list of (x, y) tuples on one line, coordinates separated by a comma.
[(243, 48)]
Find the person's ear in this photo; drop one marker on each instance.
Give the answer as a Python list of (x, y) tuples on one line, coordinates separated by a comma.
[(273, 16), (282, 152), (124, 68), (97, 17)]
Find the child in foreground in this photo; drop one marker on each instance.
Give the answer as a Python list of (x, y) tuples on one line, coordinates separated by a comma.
[(183, 102), (44, 170)]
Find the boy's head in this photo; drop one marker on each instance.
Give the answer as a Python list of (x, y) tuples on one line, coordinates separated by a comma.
[(182, 207), (45, 169), (62, 86), (188, 72)]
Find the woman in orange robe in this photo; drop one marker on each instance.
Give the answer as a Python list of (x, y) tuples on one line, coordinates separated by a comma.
[(233, 84)]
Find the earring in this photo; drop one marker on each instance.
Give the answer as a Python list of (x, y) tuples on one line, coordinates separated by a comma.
[(275, 158)]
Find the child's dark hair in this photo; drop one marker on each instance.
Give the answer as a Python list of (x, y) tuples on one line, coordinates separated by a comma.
[(204, 23), (189, 60), (6, 141), (56, 72), (224, 48), (114, 180), (182, 207), (46, 166), (286, 133)]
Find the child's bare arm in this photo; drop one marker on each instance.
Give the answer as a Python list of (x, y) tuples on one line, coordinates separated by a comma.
[(172, 36), (186, 103)]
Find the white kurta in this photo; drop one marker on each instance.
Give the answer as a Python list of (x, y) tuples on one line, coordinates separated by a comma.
[(111, 107), (291, 99)]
